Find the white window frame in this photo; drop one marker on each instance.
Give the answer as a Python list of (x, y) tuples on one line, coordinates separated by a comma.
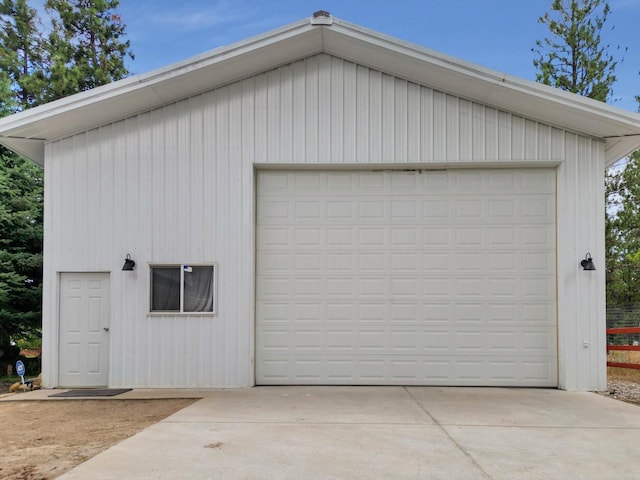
[(182, 266)]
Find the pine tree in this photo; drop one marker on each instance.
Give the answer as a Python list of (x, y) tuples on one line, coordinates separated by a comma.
[(22, 54), (22, 84), (84, 50), (21, 191), (86, 45), (574, 58), (623, 233)]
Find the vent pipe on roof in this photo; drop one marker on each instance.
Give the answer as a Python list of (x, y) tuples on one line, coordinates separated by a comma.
[(321, 17)]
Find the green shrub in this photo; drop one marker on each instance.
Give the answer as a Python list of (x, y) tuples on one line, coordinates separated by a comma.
[(31, 342), (9, 353), (32, 366)]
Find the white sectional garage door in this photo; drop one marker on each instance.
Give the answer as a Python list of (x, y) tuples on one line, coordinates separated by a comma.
[(406, 277)]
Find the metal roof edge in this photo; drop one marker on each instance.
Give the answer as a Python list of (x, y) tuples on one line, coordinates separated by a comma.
[(149, 79), (336, 37), (29, 148), (497, 77)]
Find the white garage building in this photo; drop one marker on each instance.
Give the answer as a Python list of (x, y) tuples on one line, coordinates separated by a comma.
[(323, 204)]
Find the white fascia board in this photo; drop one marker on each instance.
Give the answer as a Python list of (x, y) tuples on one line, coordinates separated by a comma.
[(619, 147), (489, 87), (482, 85), (301, 39), (140, 93), (29, 148)]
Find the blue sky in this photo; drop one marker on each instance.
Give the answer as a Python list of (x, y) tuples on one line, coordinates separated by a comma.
[(498, 34)]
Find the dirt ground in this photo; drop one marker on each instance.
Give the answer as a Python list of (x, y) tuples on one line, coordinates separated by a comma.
[(44, 439)]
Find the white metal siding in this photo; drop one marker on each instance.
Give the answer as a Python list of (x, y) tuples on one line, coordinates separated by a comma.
[(427, 277), (177, 184)]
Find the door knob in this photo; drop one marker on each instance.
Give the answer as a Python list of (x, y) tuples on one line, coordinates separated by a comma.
[(106, 329)]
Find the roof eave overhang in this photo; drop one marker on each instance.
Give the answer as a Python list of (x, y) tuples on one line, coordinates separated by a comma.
[(27, 131), (617, 128), (22, 131)]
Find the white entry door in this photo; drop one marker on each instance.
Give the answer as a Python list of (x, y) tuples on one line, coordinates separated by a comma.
[(84, 330)]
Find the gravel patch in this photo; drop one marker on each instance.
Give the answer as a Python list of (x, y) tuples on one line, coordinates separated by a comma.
[(624, 390)]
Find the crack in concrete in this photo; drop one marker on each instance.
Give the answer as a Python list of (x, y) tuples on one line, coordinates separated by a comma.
[(444, 430)]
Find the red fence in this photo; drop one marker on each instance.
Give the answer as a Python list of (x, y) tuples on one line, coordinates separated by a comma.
[(632, 348)]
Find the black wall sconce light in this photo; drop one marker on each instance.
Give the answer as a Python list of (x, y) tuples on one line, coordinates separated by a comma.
[(128, 264), (587, 263)]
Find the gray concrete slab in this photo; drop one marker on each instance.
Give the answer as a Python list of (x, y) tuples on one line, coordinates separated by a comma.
[(135, 394), (530, 453), (282, 451), (308, 405), (382, 433), (524, 407)]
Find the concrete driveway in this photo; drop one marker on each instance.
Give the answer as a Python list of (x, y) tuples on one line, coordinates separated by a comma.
[(383, 433)]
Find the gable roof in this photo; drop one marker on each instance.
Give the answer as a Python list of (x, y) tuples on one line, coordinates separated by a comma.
[(27, 132)]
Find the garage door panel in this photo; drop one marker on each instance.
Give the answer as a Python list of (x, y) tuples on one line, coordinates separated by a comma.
[(437, 290), (371, 311), (443, 277), (274, 237), (435, 370), (488, 312), (542, 237), (383, 339)]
